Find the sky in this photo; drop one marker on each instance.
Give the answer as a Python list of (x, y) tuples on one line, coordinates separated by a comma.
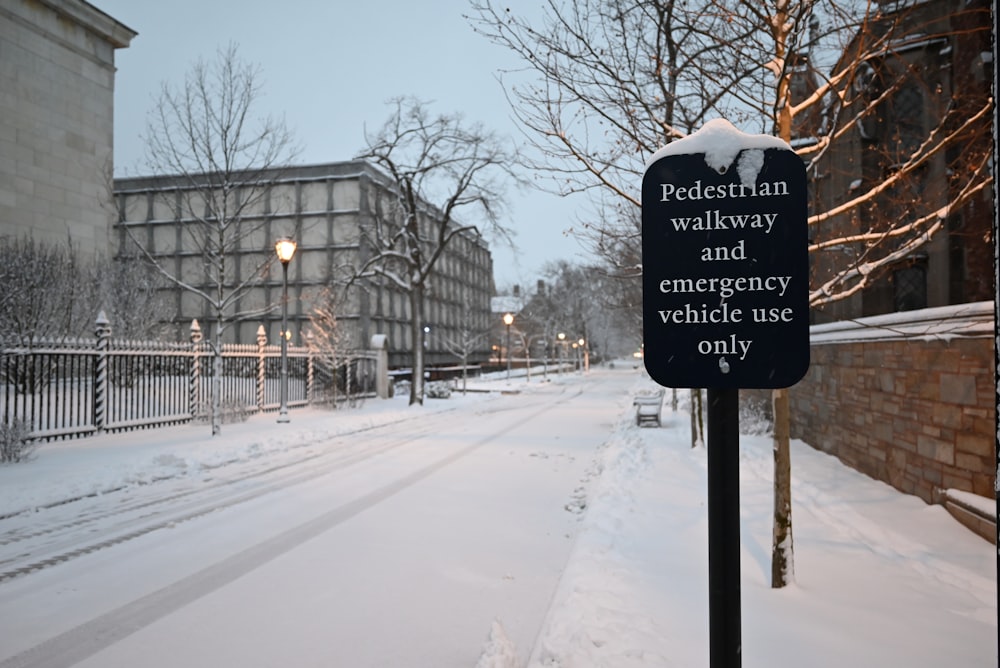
[(329, 68), (880, 578)]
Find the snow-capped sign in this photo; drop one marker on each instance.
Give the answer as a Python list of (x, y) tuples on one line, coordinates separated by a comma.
[(725, 262)]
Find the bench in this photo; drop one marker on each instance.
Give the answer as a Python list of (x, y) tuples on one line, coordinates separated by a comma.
[(648, 408)]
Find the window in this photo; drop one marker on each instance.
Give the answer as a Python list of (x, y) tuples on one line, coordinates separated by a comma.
[(909, 286), (908, 119)]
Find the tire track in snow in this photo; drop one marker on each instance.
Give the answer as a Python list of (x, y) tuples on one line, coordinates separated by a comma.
[(89, 638), (73, 539)]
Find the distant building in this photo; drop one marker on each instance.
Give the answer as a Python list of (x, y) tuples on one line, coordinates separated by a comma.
[(936, 59), (56, 121), (329, 210), (501, 306)]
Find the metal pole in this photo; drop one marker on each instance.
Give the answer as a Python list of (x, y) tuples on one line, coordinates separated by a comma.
[(283, 409), (508, 352), (725, 642)]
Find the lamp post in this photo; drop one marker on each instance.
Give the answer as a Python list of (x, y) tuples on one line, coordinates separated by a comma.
[(508, 319), (285, 248), (584, 356), (562, 348)]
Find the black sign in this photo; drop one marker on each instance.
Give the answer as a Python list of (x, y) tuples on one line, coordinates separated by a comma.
[(725, 271)]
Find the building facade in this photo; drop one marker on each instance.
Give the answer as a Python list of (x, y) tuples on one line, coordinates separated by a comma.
[(927, 74), (330, 211), (57, 75)]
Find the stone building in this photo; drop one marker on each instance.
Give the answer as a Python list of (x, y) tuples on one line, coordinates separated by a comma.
[(329, 210), (900, 384), (57, 78), (931, 68)]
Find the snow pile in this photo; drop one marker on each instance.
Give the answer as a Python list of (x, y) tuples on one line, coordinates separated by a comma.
[(881, 578), (499, 651)]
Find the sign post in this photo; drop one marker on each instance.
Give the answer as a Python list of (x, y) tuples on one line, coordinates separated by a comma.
[(725, 306)]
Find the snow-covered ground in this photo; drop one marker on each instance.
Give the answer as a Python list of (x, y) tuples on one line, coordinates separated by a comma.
[(881, 579)]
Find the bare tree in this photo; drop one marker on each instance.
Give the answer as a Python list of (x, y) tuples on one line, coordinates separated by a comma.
[(50, 292), (46, 292), (441, 169), (583, 301), (605, 83), (327, 339), (614, 80), (469, 339), (131, 297), (224, 159)]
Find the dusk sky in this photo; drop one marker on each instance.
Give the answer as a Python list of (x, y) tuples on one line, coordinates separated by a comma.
[(330, 68)]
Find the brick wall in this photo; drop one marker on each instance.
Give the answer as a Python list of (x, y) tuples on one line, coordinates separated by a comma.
[(907, 401)]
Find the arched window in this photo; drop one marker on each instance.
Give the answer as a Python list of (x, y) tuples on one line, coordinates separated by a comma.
[(907, 114)]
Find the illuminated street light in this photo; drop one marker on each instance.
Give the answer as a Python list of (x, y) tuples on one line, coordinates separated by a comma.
[(508, 319), (562, 348), (285, 248)]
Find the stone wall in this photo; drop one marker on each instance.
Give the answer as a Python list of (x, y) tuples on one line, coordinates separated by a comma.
[(56, 121), (905, 398)]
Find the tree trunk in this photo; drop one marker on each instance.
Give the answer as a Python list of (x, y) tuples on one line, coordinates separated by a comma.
[(697, 424), (694, 423), (782, 559), (417, 335), (216, 417)]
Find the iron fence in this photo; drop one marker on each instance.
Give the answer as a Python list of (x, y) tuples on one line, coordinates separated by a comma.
[(75, 388)]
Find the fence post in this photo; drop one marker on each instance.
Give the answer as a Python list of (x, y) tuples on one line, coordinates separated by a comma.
[(261, 370), (379, 343), (196, 337), (309, 366), (102, 328)]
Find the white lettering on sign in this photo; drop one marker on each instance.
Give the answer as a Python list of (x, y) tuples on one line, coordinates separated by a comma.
[(727, 286), (731, 236), (713, 220), (730, 346), (692, 315), (696, 191)]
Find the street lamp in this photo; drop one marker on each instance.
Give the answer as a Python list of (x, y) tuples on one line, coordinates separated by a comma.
[(508, 319), (562, 348), (584, 356), (285, 248)]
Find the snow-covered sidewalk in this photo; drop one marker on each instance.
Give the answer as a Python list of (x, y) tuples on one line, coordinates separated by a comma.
[(882, 579)]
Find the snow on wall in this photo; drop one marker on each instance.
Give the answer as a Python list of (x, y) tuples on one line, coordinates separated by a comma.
[(942, 323)]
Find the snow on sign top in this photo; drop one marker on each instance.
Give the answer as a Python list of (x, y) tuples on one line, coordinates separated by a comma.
[(720, 141)]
